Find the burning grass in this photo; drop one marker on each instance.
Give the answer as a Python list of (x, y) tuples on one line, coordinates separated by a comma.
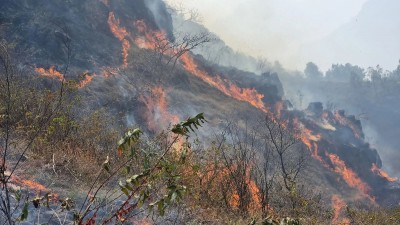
[(157, 115), (122, 35), (378, 171), (51, 73), (348, 175), (338, 206)]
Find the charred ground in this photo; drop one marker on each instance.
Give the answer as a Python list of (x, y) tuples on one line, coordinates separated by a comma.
[(116, 67)]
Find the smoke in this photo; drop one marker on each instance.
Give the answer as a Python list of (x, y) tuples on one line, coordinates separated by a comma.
[(161, 16), (274, 29)]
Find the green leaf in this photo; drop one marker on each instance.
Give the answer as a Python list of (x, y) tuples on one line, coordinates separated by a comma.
[(25, 212), (196, 168), (135, 179), (127, 170), (18, 194), (123, 189), (184, 127), (161, 207), (129, 138)]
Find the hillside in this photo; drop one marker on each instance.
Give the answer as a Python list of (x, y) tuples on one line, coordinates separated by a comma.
[(121, 65)]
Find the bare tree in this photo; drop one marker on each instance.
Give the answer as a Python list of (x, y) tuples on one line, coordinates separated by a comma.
[(168, 52), (188, 14), (237, 155), (264, 172), (13, 108), (288, 151)]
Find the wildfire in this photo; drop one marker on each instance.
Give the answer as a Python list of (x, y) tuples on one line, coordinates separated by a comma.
[(348, 175), (315, 155), (218, 174), (158, 115), (338, 205), (225, 86), (279, 106), (345, 122), (306, 135), (51, 72), (121, 34), (151, 39), (378, 171), (253, 189), (325, 125), (88, 78), (109, 71), (32, 185)]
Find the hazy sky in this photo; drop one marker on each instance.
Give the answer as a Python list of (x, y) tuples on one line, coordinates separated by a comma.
[(280, 29)]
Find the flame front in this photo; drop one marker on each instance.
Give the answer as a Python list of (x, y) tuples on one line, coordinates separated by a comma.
[(378, 171), (152, 39), (338, 205), (87, 80), (348, 175), (51, 72), (121, 34), (309, 139), (31, 185), (220, 173), (225, 86), (158, 115), (345, 122)]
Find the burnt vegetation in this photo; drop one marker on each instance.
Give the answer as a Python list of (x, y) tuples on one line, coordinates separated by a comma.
[(100, 124)]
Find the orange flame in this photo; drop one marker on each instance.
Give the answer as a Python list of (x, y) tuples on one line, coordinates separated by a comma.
[(218, 174), (308, 138), (378, 171), (151, 38), (315, 155), (254, 193), (349, 176), (88, 78), (51, 72), (109, 71), (121, 34), (338, 205), (345, 122), (32, 185), (279, 106), (225, 86), (158, 115)]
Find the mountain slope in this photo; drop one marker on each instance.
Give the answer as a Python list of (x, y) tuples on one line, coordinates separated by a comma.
[(116, 63)]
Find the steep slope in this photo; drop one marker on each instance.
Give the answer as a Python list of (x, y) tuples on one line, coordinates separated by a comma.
[(114, 46)]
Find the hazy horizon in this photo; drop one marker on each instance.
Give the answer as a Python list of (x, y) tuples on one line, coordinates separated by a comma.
[(296, 32)]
